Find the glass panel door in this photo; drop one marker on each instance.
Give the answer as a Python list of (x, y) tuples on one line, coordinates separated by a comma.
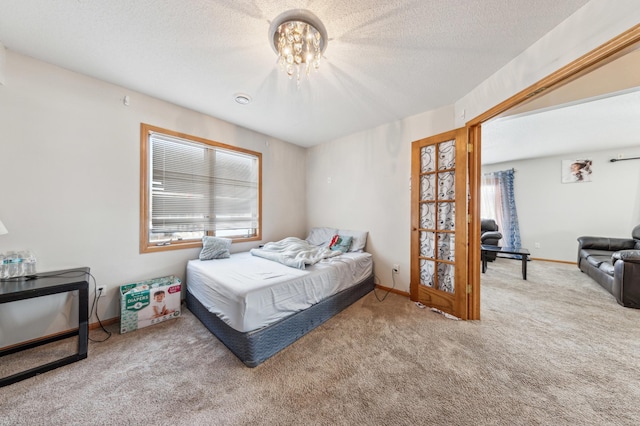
[(438, 264)]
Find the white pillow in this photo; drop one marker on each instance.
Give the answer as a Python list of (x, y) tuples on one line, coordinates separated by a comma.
[(321, 236), (215, 248), (359, 239)]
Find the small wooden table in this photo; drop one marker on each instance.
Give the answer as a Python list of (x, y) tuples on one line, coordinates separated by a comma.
[(484, 249)]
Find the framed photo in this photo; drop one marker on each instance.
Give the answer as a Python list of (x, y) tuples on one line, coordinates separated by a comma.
[(576, 171)]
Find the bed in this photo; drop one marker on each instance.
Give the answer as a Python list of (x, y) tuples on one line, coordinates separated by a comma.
[(257, 304)]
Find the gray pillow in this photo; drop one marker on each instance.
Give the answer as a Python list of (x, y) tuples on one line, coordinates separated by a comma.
[(215, 248), (321, 236)]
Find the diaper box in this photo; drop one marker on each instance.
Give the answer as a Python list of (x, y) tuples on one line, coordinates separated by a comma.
[(149, 302)]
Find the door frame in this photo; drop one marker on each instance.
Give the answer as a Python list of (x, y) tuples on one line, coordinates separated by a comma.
[(601, 55)]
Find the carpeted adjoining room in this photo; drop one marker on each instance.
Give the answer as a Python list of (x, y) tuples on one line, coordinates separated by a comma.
[(555, 349)]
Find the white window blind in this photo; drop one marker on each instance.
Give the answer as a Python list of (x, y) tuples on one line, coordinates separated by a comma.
[(199, 189)]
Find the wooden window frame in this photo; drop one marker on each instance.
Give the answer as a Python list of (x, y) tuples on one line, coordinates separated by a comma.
[(149, 247)]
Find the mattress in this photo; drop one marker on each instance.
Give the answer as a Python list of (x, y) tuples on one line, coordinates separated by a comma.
[(255, 347), (249, 292)]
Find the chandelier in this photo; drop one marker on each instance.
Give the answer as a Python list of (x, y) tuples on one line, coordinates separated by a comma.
[(299, 38)]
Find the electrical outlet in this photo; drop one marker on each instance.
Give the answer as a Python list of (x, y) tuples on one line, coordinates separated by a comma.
[(102, 290), (396, 268), (536, 245)]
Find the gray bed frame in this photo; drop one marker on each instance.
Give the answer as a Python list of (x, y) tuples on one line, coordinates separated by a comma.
[(255, 347)]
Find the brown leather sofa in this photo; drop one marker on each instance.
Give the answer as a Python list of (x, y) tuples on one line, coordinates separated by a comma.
[(614, 263)]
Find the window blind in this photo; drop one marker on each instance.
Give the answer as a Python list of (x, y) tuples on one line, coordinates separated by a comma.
[(199, 189)]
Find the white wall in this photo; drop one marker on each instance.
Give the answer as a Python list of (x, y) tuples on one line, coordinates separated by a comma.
[(70, 173), (554, 214), (3, 59), (369, 189)]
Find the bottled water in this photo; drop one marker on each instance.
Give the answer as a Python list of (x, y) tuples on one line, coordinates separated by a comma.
[(17, 264), (3, 267), (28, 263)]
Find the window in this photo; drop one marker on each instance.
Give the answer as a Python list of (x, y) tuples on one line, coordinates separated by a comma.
[(498, 202), (191, 187)]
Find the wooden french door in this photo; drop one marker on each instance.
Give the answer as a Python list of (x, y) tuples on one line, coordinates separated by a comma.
[(439, 205)]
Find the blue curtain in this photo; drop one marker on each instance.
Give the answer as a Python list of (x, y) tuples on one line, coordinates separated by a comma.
[(498, 202), (510, 227)]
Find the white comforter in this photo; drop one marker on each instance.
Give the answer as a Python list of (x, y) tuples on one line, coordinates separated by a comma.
[(294, 252)]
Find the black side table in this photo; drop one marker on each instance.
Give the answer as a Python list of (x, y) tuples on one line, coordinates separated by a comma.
[(523, 252), (44, 284)]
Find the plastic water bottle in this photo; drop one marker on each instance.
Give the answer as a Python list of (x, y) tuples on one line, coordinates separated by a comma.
[(8, 257), (3, 267), (15, 265), (28, 263)]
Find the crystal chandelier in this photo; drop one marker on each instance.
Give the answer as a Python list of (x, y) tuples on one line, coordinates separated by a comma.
[(299, 38)]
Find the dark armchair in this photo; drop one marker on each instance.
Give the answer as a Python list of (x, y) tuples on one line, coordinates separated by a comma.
[(489, 235)]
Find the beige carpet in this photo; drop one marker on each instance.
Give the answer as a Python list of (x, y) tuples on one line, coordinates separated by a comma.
[(553, 350)]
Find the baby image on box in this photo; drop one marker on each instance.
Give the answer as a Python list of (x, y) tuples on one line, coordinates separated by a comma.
[(160, 308), (159, 305)]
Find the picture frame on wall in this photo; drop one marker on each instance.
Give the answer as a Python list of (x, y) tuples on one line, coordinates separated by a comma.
[(577, 171)]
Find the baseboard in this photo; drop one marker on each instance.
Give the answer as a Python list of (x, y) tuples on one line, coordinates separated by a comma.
[(60, 333), (94, 325), (393, 290), (566, 262)]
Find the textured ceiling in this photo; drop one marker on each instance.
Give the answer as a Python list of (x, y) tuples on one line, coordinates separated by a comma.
[(385, 60)]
